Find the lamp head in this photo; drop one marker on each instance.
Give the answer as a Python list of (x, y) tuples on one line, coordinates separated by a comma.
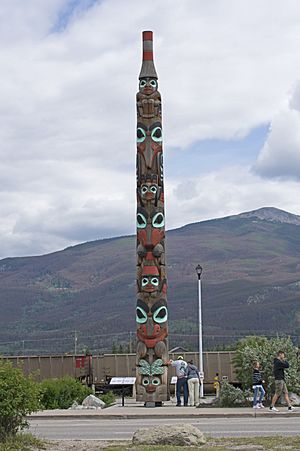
[(199, 270)]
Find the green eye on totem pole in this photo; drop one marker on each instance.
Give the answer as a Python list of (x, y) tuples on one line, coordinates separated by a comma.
[(140, 135), (153, 189), (146, 381), (155, 281), (156, 381), (143, 83), (158, 220), (141, 315), (156, 135), (153, 83), (144, 189), (141, 221), (145, 281), (161, 315)]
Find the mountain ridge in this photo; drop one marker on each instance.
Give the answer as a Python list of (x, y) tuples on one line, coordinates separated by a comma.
[(271, 214), (251, 282)]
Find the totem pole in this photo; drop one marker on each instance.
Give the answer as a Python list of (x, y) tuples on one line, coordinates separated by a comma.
[(151, 309)]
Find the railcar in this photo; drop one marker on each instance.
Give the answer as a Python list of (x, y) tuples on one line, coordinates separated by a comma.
[(97, 370)]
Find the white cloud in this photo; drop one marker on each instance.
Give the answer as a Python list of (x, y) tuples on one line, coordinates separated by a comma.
[(69, 202), (67, 129), (280, 155), (226, 192)]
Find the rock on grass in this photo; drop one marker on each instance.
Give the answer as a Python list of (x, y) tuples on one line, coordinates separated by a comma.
[(175, 435)]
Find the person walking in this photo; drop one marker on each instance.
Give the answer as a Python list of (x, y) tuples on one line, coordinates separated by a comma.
[(180, 366), (257, 387), (193, 379), (280, 364)]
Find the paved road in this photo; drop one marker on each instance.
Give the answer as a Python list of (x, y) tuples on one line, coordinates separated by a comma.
[(98, 429)]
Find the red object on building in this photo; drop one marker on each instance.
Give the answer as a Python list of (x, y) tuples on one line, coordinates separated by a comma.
[(79, 362)]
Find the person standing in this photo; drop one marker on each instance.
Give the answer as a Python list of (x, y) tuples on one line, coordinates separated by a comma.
[(180, 366), (193, 379), (257, 387), (217, 385), (280, 364)]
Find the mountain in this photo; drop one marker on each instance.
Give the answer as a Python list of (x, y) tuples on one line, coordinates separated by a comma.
[(271, 214), (250, 284)]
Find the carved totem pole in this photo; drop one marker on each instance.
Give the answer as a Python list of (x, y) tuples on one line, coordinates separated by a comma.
[(151, 309)]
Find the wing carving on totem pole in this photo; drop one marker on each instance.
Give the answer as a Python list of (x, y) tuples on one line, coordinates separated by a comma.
[(151, 307)]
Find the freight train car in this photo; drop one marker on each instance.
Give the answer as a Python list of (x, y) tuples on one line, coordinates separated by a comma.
[(54, 367), (109, 365), (99, 369)]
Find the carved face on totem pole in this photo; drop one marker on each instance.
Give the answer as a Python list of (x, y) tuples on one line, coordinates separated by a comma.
[(148, 85), (149, 150), (150, 192), (152, 322), (151, 309)]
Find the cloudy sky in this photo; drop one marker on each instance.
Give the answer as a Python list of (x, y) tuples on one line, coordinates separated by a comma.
[(229, 74)]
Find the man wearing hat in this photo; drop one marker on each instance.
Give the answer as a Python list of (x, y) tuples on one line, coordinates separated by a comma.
[(180, 366)]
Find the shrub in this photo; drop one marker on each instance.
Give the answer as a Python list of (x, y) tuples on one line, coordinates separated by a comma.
[(264, 350), (61, 393), (108, 398), (19, 396), (231, 396)]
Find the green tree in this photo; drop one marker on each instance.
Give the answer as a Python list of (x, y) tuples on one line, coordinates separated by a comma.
[(264, 350), (19, 396)]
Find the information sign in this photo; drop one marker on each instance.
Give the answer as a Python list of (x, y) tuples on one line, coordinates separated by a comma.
[(122, 381)]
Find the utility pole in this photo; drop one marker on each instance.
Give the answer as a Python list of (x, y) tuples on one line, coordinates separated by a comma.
[(130, 342), (75, 343)]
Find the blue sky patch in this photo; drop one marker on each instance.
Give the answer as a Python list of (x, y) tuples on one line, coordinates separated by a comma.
[(71, 8), (213, 154)]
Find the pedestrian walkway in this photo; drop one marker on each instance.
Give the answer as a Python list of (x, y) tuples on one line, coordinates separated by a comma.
[(134, 410)]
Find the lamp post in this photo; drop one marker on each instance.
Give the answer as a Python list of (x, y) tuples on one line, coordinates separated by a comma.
[(199, 270)]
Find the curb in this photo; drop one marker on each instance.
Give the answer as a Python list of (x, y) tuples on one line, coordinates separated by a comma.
[(160, 416)]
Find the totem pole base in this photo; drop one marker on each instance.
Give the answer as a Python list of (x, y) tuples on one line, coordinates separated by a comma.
[(153, 404), (149, 404)]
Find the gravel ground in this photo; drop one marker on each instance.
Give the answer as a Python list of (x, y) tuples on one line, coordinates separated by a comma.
[(78, 445)]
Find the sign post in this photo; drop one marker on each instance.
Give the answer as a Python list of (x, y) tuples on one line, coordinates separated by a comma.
[(122, 382)]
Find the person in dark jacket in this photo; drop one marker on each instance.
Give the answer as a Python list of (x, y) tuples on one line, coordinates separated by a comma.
[(257, 386), (280, 364)]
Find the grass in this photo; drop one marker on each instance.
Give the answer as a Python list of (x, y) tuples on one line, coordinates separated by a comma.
[(272, 443), (22, 442), (27, 442)]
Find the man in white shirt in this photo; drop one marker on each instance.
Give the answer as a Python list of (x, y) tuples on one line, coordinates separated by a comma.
[(180, 366)]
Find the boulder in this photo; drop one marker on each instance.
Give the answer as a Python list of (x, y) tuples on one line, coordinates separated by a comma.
[(175, 435), (295, 399), (92, 401)]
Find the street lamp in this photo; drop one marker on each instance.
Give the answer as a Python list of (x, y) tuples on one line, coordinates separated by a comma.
[(199, 270)]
